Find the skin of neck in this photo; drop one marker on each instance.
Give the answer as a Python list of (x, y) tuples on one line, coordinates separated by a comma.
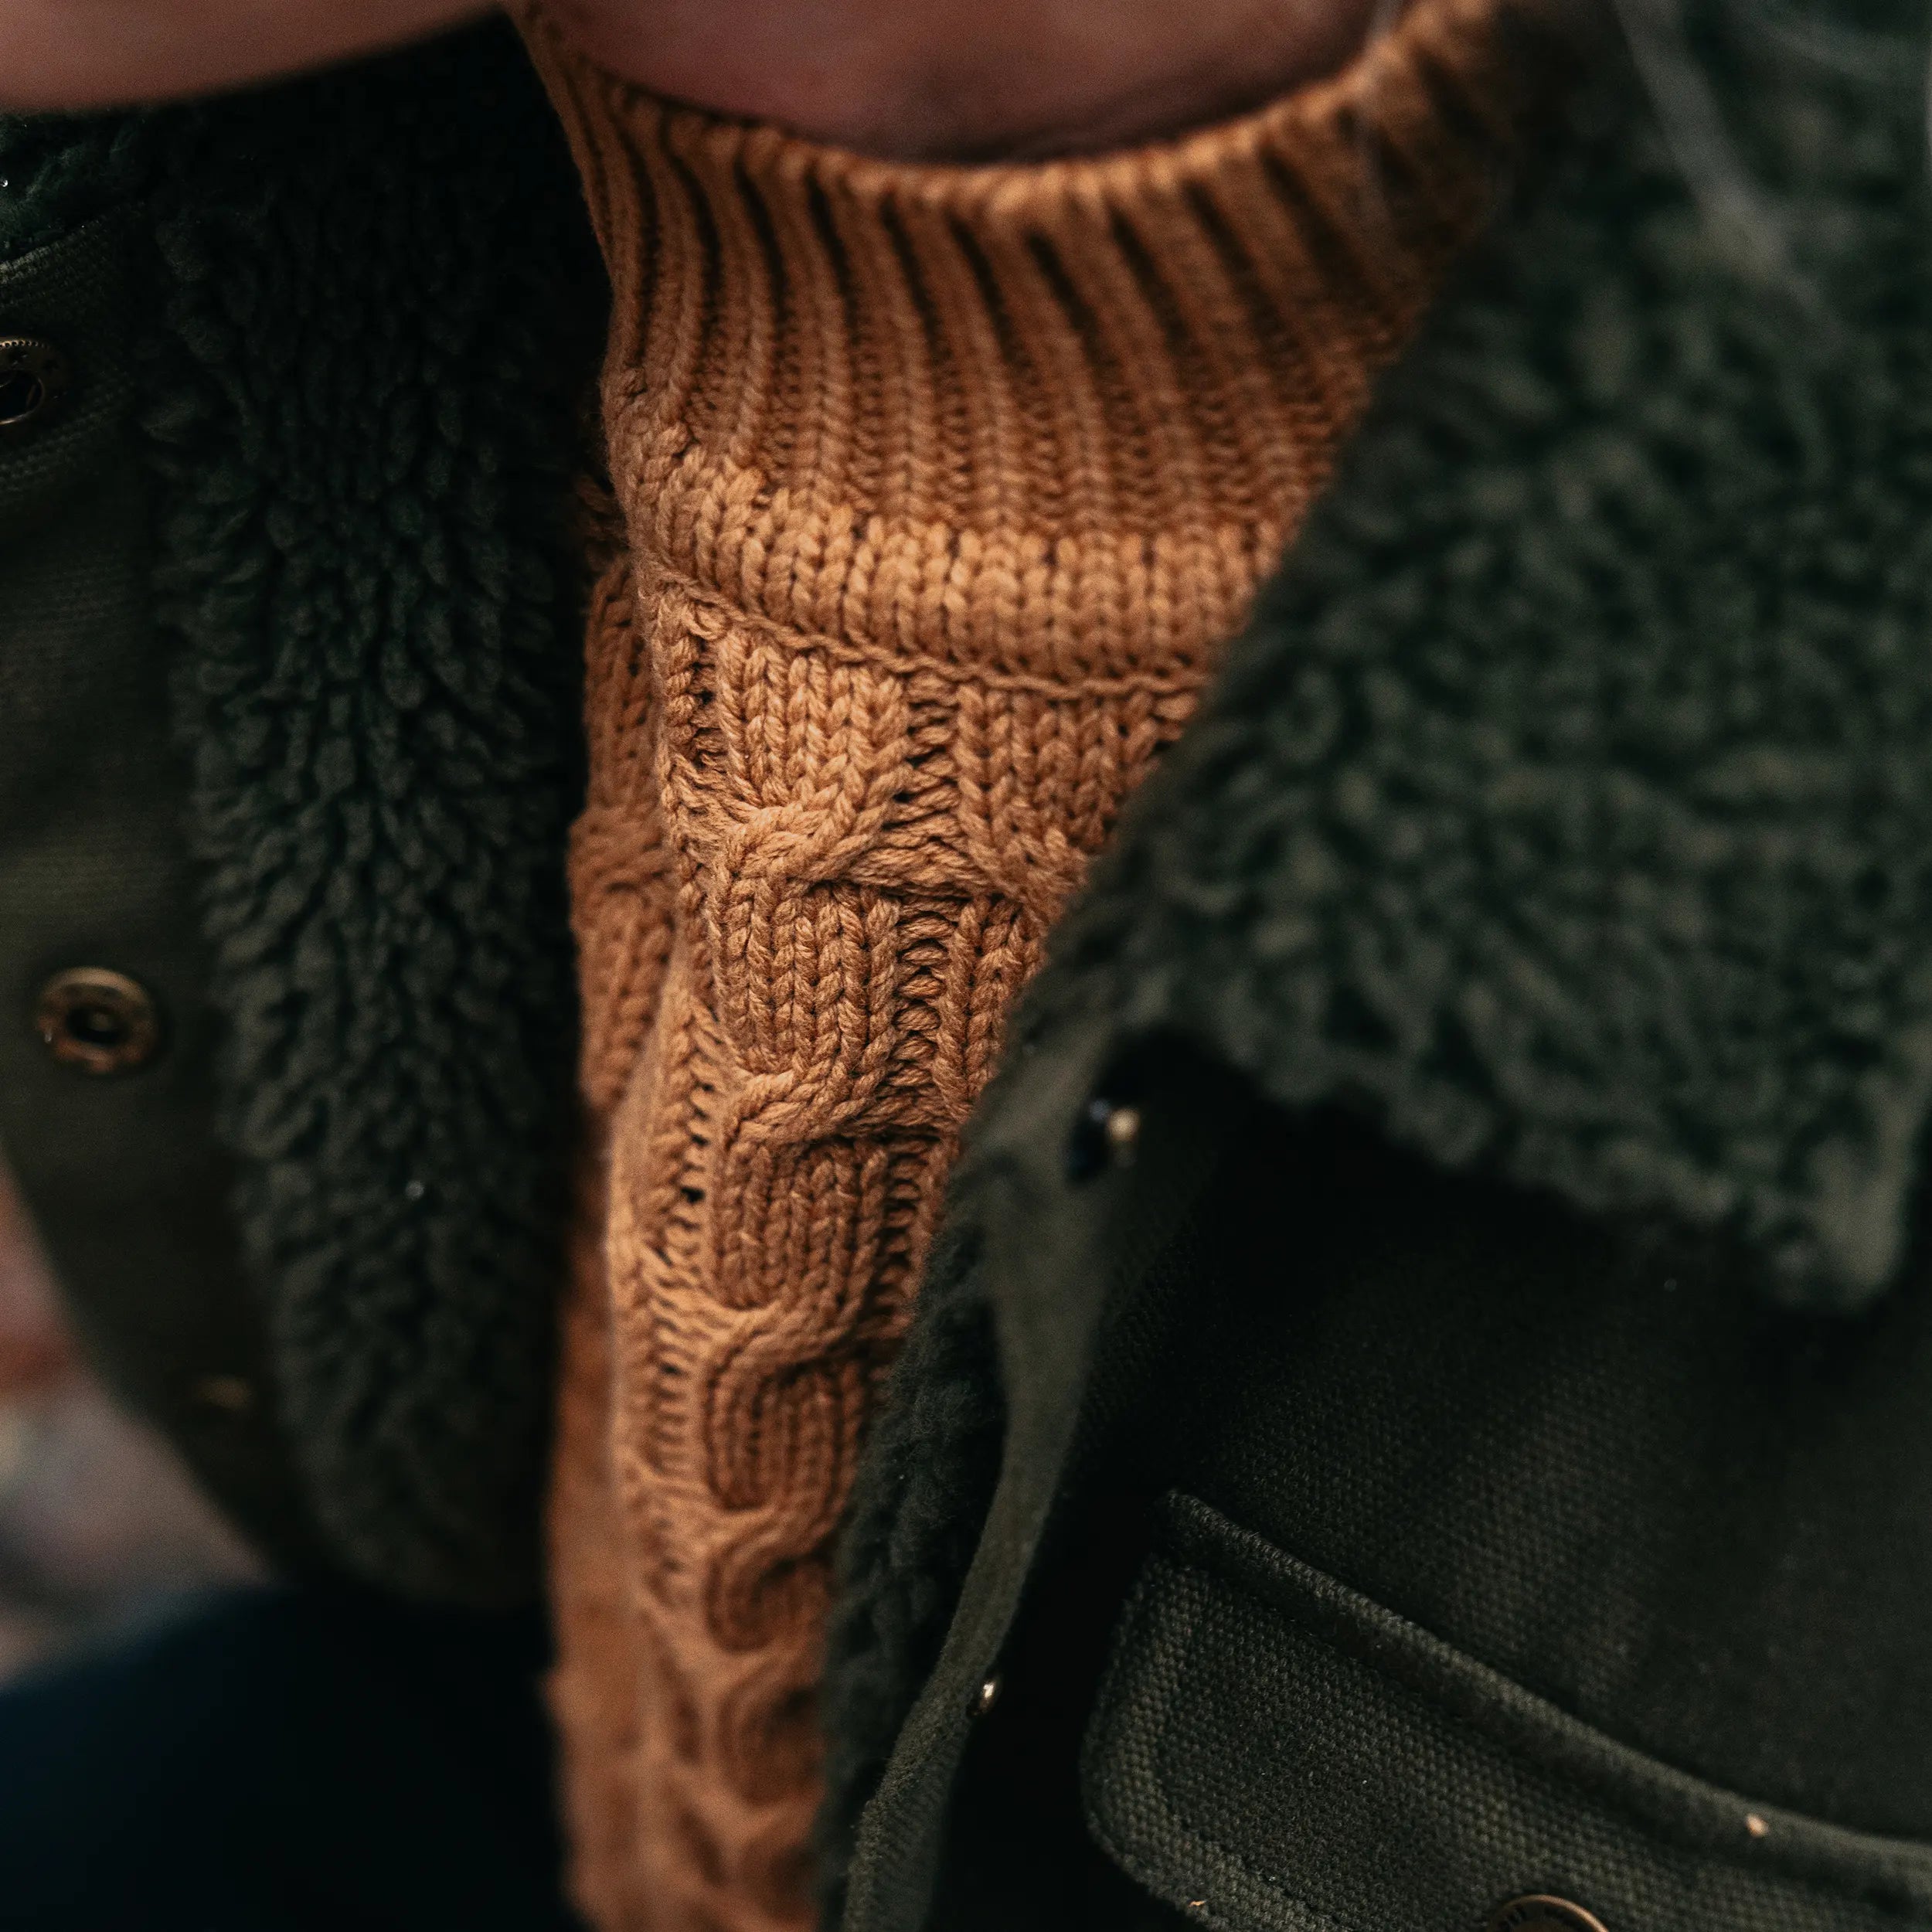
[(960, 80), (966, 81)]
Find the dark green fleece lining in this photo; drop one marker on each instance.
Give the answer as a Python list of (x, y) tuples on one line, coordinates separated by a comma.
[(373, 316), (374, 287), (1568, 807)]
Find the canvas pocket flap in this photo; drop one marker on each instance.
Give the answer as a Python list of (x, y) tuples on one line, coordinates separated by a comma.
[(1271, 1750)]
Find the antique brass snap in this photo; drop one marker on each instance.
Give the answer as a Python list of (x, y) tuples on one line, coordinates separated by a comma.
[(98, 1022), (33, 379), (1107, 1133), (1540, 1912)]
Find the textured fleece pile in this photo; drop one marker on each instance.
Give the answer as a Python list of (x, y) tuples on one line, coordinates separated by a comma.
[(374, 320), (1567, 808), (380, 317), (59, 172)]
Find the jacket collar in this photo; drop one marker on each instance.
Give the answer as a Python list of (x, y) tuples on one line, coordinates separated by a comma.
[(1567, 807)]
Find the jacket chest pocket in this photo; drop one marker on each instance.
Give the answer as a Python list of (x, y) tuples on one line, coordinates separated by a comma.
[(1273, 1753)]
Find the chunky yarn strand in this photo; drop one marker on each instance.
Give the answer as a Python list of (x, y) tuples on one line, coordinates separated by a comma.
[(939, 488)]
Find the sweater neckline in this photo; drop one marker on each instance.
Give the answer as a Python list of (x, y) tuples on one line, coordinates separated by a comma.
[(825, 367)]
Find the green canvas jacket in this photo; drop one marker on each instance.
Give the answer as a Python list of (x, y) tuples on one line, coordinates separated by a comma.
[(1419, 1418), (1418, 1414)]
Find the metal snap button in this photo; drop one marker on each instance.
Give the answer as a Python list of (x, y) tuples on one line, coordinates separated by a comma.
[(1540, 1912), (34, 377), (98, 1022), (1106, 1133)]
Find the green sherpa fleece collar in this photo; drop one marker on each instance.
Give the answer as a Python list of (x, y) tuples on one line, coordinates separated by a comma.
[(1568, 806)]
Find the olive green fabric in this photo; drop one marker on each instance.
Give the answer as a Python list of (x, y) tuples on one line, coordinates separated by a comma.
[(1693, 1523), (1276, 1753), (122, 1175), (1590, 1457), (1060, 1231), (1562, 824)]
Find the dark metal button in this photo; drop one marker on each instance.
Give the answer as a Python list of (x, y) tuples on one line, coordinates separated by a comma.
[(98, 1022), (1105, 1135), (1540, 1912), (34, 378)]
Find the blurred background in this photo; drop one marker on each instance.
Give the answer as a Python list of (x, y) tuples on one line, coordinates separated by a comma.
[(99, 1528)]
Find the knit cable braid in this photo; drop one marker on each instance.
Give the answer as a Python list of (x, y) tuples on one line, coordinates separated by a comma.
[(940, 487)]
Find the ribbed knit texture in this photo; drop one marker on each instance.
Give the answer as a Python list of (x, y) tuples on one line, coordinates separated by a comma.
[(939, 489)]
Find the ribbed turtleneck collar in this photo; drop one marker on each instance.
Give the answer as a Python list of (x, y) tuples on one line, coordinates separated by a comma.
[(1078, 403)]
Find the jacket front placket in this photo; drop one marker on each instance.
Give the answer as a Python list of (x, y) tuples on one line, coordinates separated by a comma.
[(106, 1100)]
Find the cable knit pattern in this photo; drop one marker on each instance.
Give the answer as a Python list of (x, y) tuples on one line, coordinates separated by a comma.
[(940, 488)]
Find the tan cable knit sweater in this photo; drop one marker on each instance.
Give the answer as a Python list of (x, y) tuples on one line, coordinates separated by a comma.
[(940, 488)]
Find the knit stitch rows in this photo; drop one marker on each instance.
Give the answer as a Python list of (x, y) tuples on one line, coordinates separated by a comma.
[(939, 487)]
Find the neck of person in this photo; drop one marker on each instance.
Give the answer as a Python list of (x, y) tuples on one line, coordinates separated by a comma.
[(974, 80)]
